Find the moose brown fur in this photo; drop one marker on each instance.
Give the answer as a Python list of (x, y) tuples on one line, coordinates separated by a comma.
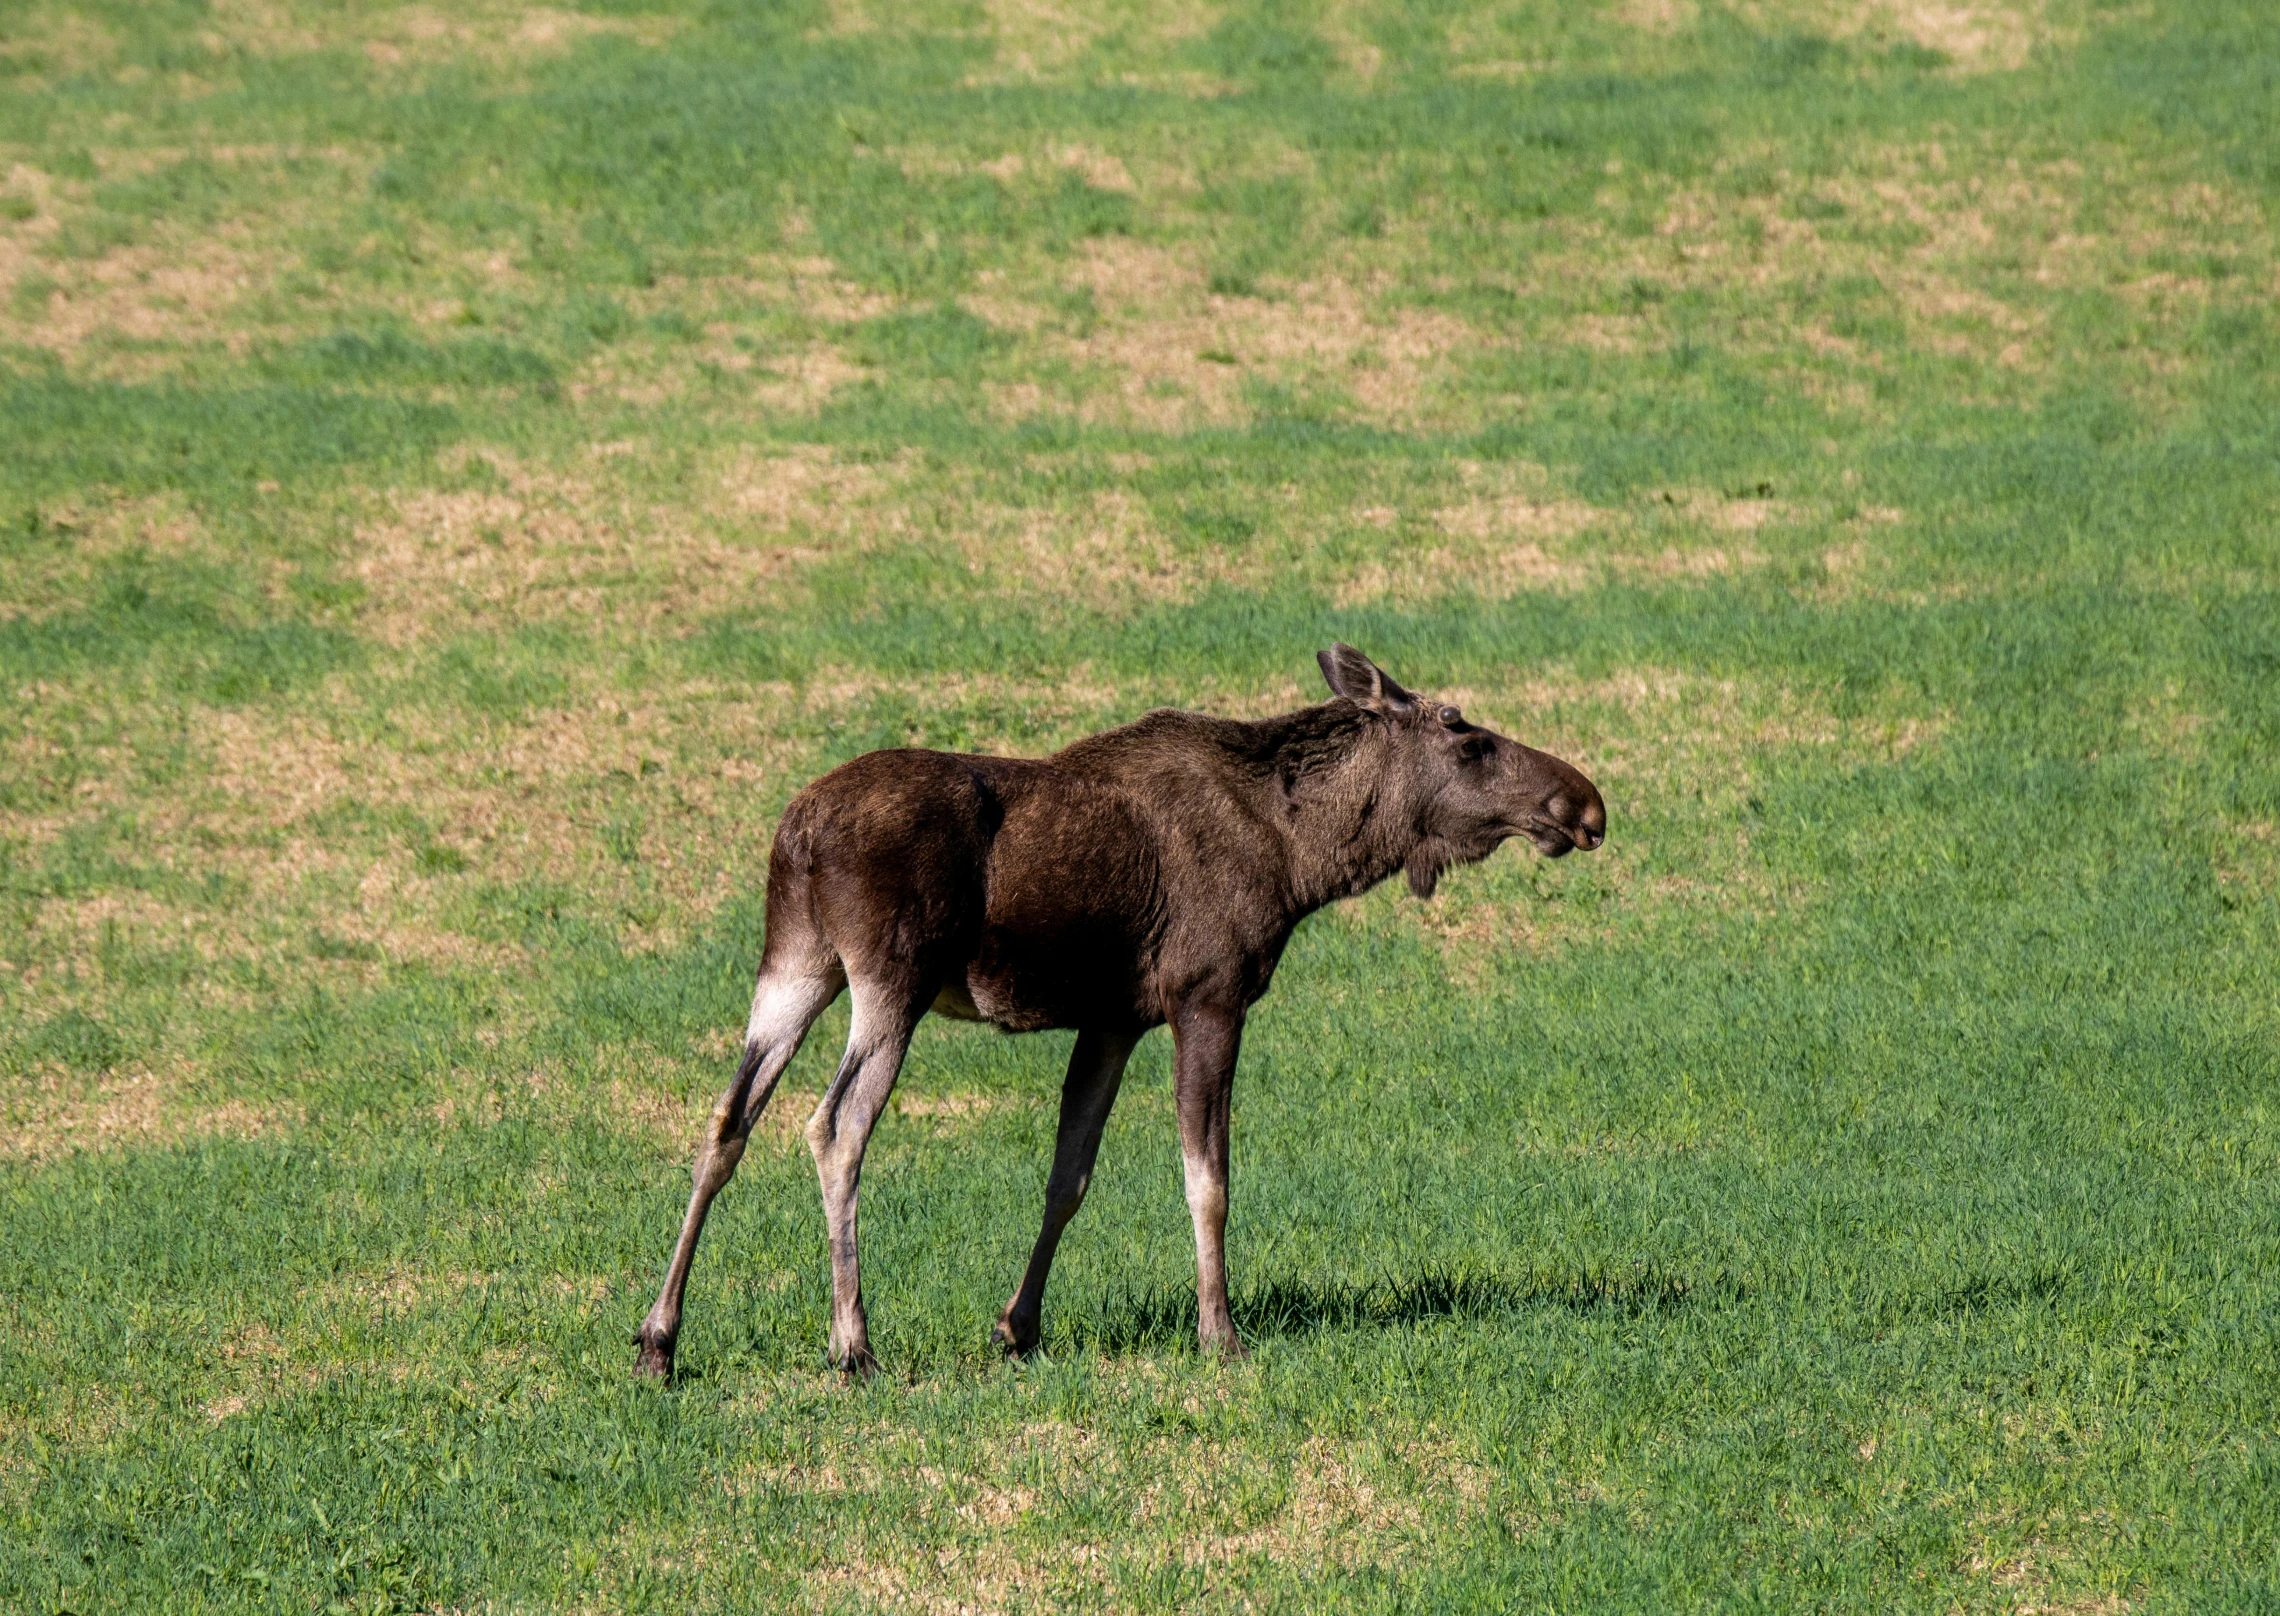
[(1144, 876)]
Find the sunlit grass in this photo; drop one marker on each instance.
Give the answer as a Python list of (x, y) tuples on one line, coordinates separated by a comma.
[(466, 467)]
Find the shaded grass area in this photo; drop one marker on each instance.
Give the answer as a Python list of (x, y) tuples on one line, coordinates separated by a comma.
[(466, 472)]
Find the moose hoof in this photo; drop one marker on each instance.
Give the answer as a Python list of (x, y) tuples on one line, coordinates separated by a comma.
[(1014, 1340), (856, 1363), (1226, 1348), (655, 1359)]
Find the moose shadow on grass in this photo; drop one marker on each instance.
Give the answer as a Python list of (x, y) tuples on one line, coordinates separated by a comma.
[(1157, 1320)]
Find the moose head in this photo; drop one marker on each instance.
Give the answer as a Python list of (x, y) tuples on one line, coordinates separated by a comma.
[(1465, 790)]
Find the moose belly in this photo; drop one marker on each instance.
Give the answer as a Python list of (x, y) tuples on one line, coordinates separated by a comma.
[(1004, 1005), (1069, 977)]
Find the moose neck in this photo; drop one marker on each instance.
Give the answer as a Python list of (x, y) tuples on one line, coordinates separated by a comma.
[(1347, 817)]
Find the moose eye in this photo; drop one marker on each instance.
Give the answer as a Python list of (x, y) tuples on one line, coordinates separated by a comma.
[(1451, 717)]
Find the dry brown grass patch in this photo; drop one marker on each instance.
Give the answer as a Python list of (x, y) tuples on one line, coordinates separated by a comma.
[(948, 1107), (55, 1114), (796, 382), (1966, 244), (1499, 550), (1179, 355), (450, 560), (656, 1102), (281, 769), (396, 913), (1103, 550), (311, 911), (420, 35), (77, 935), (1194, 84), (1351, 1504), (1103, 171), (1977, 36), (2165, 722), (1658, 16), (807, 488), (1041, 40), (1037, 38), (998, 299), (2247, 857), (589, 546), (59, 37), (1509, 516), (812, 285), (801, 383), (1334, 1501), (1346, 30), (2026, 1575), (171, 295), (657, 1113), (1014, 402), (1135, 273), (1724, 512), (517, 801), (1525, 536)]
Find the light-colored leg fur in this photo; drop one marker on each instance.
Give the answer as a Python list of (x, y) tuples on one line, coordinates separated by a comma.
[(1205, 1047), (1096, 1070), (785, 1004), (837, 1134)]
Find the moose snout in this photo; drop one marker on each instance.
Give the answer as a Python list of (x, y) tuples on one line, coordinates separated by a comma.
[(1564, 812), (1589, 826), (1580, 814)]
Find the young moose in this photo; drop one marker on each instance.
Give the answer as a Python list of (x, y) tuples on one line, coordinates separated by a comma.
[(1147, 875)]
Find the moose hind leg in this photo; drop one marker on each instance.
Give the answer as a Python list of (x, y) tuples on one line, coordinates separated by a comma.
[(1096, 1070), (784, 1006), (837, 1135)]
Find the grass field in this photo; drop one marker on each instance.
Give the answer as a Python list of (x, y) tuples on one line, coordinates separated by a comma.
[(463, 467)]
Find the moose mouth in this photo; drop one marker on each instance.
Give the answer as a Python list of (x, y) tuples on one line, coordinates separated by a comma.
[(1555, 840)]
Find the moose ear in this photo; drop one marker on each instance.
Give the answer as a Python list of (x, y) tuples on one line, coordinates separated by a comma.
[(1360, 680)]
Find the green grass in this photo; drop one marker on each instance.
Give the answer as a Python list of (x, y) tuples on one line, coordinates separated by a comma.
[(465, 468)]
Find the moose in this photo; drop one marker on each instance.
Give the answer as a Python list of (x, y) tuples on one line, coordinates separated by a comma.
[(1145, 876)]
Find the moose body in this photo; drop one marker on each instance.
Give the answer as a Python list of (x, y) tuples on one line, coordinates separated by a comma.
[(1146, 876)]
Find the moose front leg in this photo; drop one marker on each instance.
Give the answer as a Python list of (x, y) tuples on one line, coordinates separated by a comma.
[(1096, 1068), (1206, 1041)]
